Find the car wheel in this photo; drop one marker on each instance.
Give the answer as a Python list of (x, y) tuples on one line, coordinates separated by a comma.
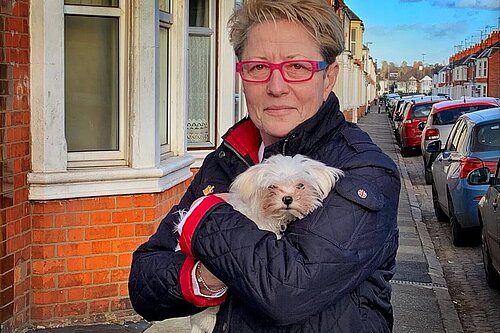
[(428, 177), (492, 276), (440, 214), (405, 152), (457, 232)]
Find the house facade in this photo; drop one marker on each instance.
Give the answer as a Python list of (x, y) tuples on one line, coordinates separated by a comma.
[(107, 107), (474, 71)]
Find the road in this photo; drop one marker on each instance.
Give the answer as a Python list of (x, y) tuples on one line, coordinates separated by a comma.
[(477, 305)]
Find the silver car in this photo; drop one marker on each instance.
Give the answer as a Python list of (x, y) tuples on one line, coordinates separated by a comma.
[(489, 218), (440, 121)]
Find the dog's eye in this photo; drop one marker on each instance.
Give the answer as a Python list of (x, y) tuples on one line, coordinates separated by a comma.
[(299, 186), (271, 187)]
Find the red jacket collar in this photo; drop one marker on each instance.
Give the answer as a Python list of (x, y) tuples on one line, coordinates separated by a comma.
[(245, 139)]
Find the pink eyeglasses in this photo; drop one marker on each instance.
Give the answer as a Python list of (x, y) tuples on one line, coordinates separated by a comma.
[(291, 70)]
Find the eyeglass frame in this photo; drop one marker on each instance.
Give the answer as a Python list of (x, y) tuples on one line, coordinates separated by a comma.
[(318, 66)]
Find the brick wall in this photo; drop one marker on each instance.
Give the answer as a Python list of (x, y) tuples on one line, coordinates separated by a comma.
[(14, 164), (81, 254), (494, 75)]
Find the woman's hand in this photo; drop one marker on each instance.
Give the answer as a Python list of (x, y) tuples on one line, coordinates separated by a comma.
[(208, 283)]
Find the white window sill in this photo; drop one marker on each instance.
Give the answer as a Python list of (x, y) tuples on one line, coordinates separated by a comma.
[(109, 181)]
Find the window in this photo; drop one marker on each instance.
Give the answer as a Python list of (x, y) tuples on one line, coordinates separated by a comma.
[(165, 22), (105, 95), (353, 41), (201, 77), (485, 69)]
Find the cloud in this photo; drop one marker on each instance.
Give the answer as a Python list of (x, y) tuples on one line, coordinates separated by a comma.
[(471, 4)]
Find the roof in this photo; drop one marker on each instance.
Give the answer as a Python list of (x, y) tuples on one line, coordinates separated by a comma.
[(482, 116), (468, 101), (351, 15), (486, 53)]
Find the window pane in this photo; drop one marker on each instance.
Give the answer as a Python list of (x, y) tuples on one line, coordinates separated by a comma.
[(198, 13), (199, 89), (163, 86), (91, 83), (97, 3), (165, 5)]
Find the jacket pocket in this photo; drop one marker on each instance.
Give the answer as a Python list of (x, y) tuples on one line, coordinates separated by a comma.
[(359, 191)]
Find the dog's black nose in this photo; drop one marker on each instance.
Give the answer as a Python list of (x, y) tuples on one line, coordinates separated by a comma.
[(287, 200)]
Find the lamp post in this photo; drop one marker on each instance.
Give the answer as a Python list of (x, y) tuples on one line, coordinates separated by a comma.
[(472, 63)]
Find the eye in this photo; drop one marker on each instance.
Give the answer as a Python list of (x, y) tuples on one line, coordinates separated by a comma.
[(271, 187), (299, 186)]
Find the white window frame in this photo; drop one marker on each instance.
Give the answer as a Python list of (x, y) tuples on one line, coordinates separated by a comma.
[(165, 22), (52, 176), (110, 157), (212, 112)]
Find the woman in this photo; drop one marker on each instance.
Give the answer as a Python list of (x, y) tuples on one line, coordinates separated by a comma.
[(330, 271)]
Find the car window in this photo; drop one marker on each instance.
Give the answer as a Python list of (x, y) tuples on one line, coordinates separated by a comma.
[(420, 111), (462, 137), (449, 116), (486, 137), (455, 135)]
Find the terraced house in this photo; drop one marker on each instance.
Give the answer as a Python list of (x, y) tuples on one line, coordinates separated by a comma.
[(106, 109)]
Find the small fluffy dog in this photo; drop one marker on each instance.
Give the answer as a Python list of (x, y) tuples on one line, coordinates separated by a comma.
[(272, 194)]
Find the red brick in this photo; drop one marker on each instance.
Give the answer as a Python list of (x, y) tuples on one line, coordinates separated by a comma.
[(100, 218), (145, 200), (75, 294), (47, 297), (42, 312), (101, 247), (76, 235), (99, 262), (49, 236), (101, 277), (73, 249), (70, 310), (126, 230), (72, 219), (43, 251), (101, 232), (97, 292), (48, 207), (136, 215), (144, 229), (74, 280), (99, 306), (98, 203), (124, 201), (43, 281), (43, 221), (118, 275), (48, 266), (75, 264)]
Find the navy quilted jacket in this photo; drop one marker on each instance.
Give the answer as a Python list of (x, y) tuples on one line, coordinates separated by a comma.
[(329, 273)]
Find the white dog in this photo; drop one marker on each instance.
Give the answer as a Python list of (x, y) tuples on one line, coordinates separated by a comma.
[(272, 194)]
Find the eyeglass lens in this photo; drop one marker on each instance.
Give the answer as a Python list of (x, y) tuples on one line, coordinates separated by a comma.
[(292, 71)]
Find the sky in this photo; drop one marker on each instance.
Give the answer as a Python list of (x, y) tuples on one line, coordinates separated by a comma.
[(423, 30)]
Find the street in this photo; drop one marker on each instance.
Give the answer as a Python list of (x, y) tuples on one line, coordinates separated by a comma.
[(477, 305)]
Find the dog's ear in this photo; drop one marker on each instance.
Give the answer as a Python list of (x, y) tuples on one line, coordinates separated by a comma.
[(325, 176), (245, 183)]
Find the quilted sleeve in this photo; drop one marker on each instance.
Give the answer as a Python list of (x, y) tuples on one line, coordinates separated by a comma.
[(320, 259), (160, 284)]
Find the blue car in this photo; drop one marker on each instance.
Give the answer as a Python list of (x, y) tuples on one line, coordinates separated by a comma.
[(474, 142)]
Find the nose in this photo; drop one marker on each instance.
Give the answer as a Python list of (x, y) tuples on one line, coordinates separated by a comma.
[(287, 200), (277, 85)]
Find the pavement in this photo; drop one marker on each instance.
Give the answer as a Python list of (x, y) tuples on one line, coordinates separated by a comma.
[(420, 298)]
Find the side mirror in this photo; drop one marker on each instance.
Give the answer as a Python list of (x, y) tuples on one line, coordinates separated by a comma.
[(479, 176), (421, 126), (434, 147)]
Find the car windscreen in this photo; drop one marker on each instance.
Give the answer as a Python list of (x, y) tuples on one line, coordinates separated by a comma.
[(421, 111), (486, 137), (447, 117)]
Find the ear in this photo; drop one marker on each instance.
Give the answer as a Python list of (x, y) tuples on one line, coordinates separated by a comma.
[(330, 78), (245, 183), (325, 176)]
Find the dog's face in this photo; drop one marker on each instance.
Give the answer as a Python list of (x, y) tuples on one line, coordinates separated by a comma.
[(286, 188)]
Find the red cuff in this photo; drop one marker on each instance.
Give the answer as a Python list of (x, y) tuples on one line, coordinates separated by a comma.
[(186, 238), (186, 284)]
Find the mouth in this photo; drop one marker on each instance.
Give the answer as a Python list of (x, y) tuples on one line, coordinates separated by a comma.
[(279, 108)]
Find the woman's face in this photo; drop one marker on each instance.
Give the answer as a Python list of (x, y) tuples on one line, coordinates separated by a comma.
[(276, 107)]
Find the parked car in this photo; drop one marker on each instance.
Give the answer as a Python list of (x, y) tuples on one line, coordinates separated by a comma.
[(489, 219), (440, 121), (474, 142), (416, 112)]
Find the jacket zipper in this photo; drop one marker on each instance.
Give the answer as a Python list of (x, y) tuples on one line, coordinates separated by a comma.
[(237, 153)]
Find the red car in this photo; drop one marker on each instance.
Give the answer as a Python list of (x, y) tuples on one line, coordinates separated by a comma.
[(415, 112)]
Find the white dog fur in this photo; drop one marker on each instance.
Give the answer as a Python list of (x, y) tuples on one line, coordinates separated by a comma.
[(272, 194)]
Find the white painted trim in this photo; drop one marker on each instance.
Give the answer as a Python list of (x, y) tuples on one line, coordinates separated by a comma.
[(109, 181)]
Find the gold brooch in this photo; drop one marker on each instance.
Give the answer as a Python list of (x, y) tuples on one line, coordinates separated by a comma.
[(208, 190)]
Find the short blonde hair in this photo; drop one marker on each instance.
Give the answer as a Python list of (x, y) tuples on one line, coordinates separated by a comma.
[(316, 15)]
